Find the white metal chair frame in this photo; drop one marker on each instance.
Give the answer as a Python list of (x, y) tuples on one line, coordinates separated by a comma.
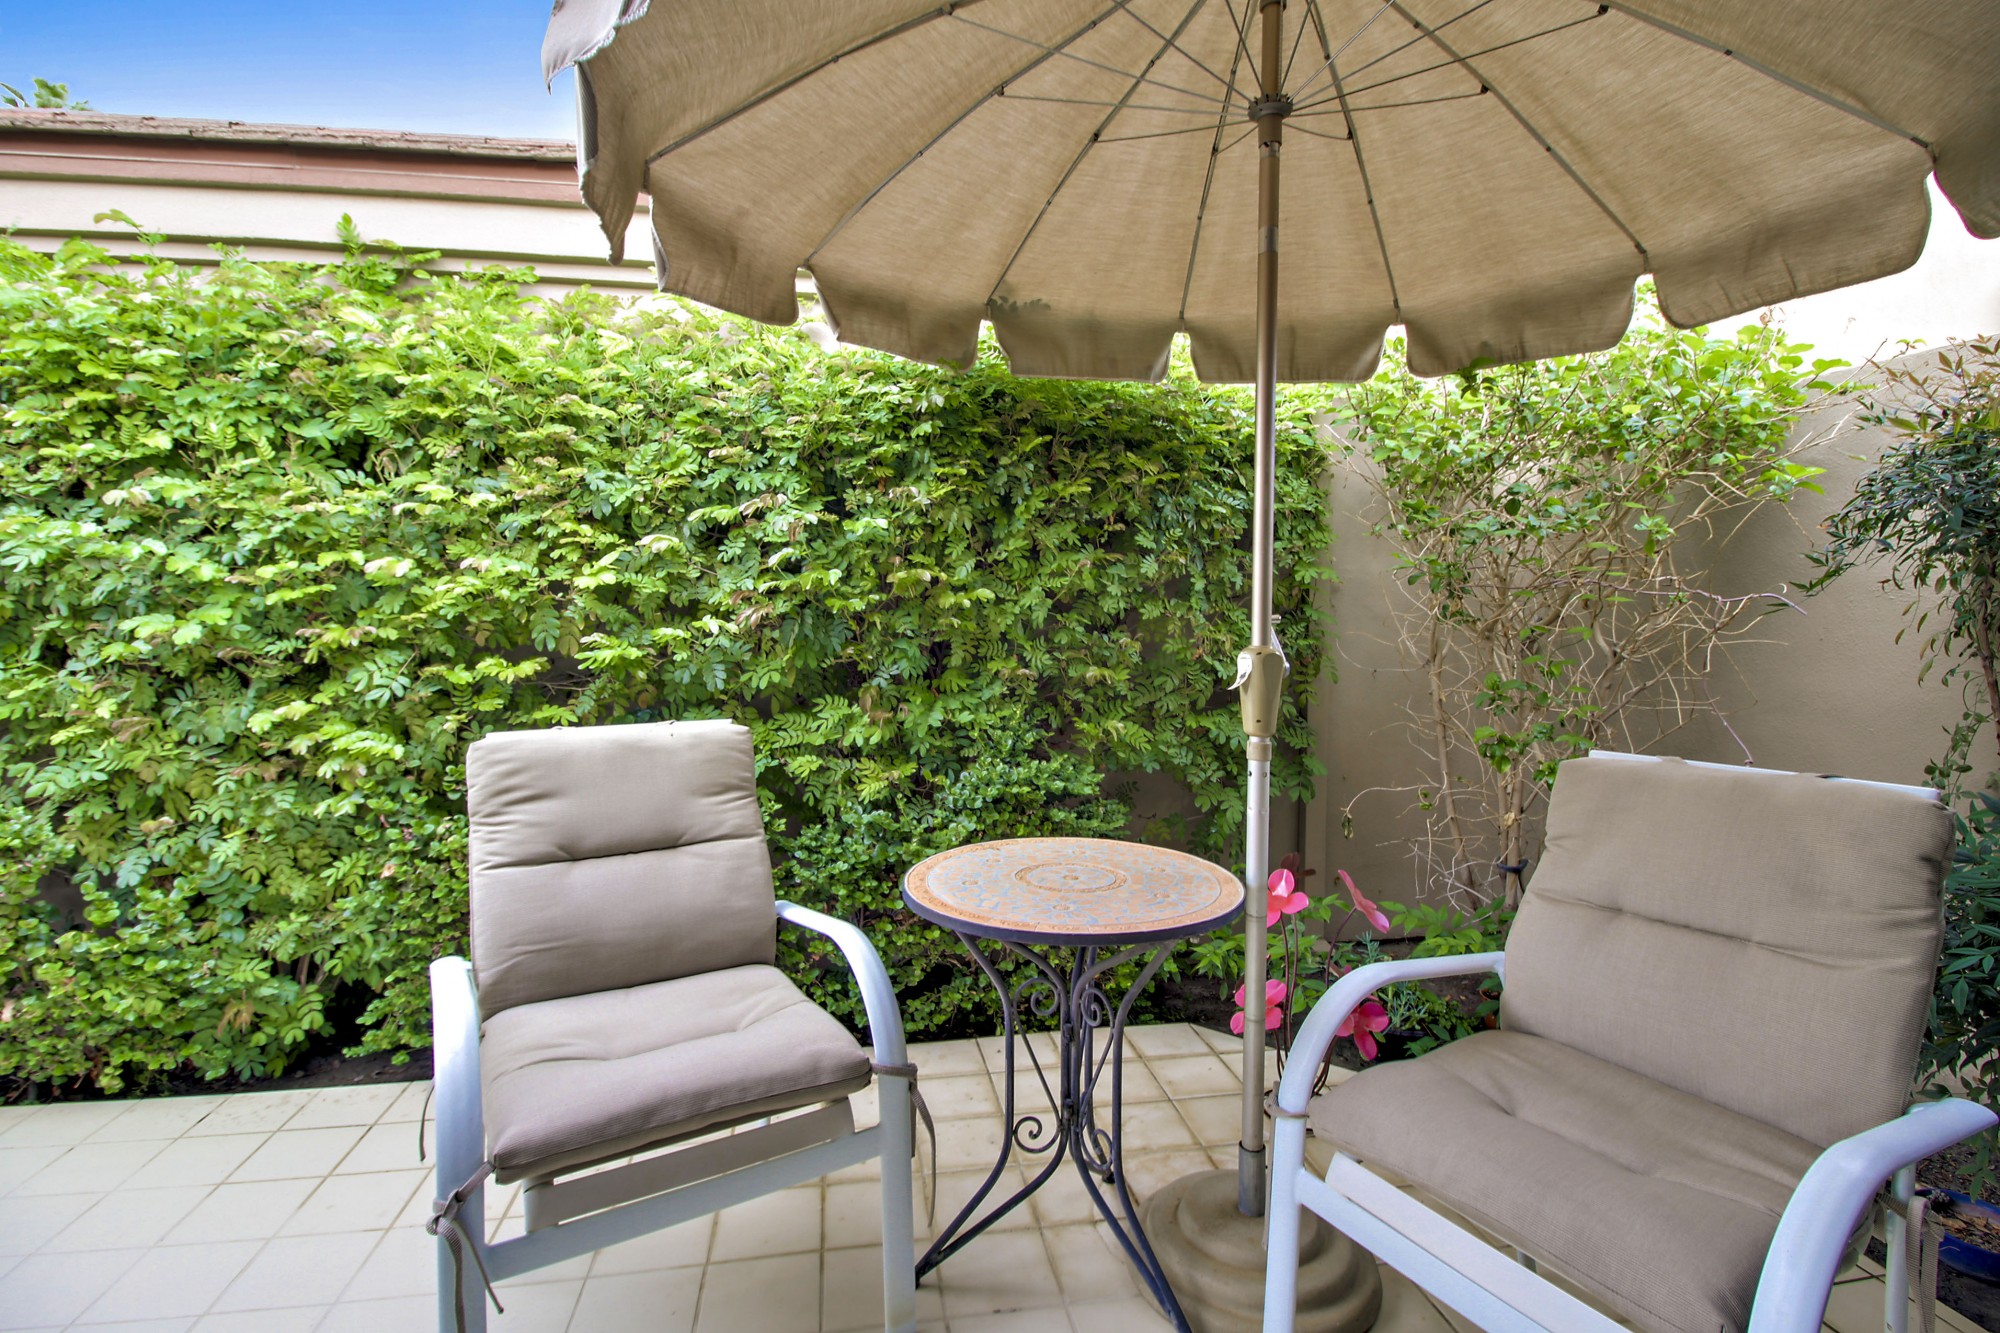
[(1505, 1296), (567, 1218)]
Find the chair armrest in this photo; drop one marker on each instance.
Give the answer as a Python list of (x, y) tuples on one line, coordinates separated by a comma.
[(461, 1129), (878, 997), (1316, 1035), (1824, 1209)]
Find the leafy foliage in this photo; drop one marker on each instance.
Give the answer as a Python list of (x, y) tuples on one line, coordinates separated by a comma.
[(46, 96), (1929, 512), (1540, 512), (1964, 1034), (280, 541)]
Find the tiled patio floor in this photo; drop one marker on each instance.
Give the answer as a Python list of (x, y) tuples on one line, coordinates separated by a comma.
[(283, 1212)]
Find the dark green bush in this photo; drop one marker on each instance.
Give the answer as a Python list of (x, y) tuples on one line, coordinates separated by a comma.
[(279, 542)]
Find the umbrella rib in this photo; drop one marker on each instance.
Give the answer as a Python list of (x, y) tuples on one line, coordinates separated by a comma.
[(1456, 59), (1215, 151), (1389, 106), (1166, 43), (887, 34), (1360, 162), (1241, 28), (1167, 134), (1115, 106), (1527, 125), (1317, 134), (1086, 60), (1285, 78), (1796, 85), (1334, 55), (1228, 86), (996, 90)]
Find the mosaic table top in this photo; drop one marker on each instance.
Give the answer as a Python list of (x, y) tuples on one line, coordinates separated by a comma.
[(1072, 891)]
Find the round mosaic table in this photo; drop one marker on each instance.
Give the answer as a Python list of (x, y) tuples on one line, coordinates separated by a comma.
[(1074, 910)]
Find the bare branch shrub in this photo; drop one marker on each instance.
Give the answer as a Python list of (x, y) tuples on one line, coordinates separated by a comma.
[(1542, 515)]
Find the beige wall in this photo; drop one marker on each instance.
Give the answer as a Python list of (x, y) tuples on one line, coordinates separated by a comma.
[(1827, 691), (563, 243)]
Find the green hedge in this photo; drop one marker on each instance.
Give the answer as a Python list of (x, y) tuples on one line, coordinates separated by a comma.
[(280, 541)]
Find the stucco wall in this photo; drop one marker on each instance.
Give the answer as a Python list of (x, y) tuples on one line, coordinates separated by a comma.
[(1829, 690)]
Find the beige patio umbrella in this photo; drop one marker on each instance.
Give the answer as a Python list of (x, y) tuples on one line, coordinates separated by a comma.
[(1094, 177)]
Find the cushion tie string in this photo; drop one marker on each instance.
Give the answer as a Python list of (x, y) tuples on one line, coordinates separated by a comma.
[(1922, 1232), (444, 1224), (423, 1116), (909, 1071)]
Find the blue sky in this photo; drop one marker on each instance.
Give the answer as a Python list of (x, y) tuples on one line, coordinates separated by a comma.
[(461, 66)]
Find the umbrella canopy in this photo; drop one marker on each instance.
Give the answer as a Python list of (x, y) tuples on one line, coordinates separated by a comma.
[(1493, 175)]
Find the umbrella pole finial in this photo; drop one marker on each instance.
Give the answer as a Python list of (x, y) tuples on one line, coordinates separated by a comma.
[(1262, 664)]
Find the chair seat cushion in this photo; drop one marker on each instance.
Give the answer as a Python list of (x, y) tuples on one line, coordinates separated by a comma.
[(585, 1078), (1659, 1203)]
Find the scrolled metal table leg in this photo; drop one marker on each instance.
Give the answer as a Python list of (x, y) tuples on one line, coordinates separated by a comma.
[(1045, 995), (1080, 1005), (1101, 1155)]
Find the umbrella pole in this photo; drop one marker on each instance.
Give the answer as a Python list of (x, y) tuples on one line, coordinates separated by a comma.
[(1261, 668)]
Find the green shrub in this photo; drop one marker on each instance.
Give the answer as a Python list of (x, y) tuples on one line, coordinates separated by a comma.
[(1962, 1040), (279, 542), (851, 862)]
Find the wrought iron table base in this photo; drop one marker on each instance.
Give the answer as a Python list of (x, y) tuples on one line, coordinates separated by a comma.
[(1075, 996)]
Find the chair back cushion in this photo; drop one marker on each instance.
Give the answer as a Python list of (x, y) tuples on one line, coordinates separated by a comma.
[(1764, 941), (614, 856)]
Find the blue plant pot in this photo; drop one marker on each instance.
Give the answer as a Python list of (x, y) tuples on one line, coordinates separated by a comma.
[(1963, 1255)]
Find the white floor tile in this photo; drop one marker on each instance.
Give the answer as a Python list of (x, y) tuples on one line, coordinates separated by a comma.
[(29, 1222), (293, 1153), (546, 1307), (252, 1113), (92, 1168), (197, 1160), (50, 1290), (409, 1103), (661, 1302), (294, 1319), (19, 1165), (173, 1280), (773, 1295), (357, 1203), (684, 1246), (999, 1272), (256, 1210), (127, 1219), (787, 1222), (383, 1148), (297, 1270), (157, 1118), (1195, 1076), (330, 1108), (65, 1124), (404, 1263), (417, 1314)]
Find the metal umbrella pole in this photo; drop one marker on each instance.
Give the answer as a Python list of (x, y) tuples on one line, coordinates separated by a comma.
[(1261, 667)]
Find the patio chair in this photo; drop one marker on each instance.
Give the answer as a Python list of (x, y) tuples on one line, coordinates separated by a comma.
[(621, 999), (1715, 991)]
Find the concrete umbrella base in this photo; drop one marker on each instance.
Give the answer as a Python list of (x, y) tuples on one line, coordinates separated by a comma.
[(1214, 1257)]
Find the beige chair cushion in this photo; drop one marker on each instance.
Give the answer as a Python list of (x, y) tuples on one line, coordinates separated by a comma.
[(585, 1078), (1661, 1204), (608, 857), (1764, 941)]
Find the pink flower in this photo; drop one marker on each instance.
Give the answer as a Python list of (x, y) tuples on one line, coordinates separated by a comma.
[(1274, 1007), (1376, 916), (1285, 897), (1362, 1023)]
